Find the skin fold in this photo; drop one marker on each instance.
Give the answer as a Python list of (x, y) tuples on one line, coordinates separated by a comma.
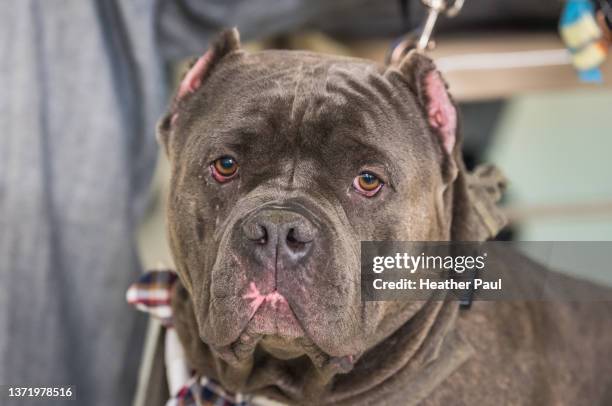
[(269, 296)]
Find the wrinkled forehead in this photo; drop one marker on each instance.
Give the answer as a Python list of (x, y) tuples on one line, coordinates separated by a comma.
[(312, 99)]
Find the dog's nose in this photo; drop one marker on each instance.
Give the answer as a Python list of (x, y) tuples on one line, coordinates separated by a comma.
[(283, 234)]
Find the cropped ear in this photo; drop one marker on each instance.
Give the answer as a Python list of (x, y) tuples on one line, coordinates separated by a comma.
[(200, 69), (430, 89), (470, 198)]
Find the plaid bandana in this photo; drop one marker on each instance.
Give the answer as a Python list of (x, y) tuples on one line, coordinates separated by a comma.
[(205, 392), (152, 294)]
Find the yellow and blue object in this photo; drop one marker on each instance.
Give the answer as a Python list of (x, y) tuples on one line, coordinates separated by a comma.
[(584, 39)]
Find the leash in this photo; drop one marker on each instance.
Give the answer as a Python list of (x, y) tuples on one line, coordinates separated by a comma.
[(420, 38)]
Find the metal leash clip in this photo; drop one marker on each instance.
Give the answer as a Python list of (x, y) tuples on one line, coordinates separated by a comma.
[(421, 39)]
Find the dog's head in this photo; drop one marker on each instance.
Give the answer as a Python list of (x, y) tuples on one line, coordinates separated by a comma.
[(282, 163)]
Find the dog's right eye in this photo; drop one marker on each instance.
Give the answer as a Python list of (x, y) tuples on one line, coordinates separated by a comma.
[(224, 168), (368, 184)]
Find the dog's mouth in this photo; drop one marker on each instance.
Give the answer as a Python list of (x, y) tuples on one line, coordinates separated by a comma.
[(273, 326), (271, 315)]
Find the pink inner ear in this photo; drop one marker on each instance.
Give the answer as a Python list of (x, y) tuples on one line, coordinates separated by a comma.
[(193, 78), (440, 111)]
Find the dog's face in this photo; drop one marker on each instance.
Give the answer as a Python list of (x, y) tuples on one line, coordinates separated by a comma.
[(282, 163)]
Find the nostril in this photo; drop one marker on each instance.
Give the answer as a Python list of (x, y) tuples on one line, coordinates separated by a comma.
[(256, 232), (291, 236), (263, 233), (294, 242)]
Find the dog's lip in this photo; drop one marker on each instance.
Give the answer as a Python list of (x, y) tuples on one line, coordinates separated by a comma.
[(257, 299), (271, 314), (244, 345)]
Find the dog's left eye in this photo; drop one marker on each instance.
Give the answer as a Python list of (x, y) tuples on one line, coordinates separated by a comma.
[(224, 168), (368, 184)]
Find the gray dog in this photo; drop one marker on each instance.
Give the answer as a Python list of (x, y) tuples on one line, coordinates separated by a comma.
[(282, 162)]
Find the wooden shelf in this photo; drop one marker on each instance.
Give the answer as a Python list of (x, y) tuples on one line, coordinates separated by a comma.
[(481, 84)]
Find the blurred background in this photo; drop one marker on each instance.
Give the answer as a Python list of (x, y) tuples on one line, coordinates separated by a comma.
[(80, 174)]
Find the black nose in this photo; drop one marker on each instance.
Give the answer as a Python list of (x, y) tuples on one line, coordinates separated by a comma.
[(279, 233)]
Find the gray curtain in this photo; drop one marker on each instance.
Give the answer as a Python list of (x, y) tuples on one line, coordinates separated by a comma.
[(80, 89)]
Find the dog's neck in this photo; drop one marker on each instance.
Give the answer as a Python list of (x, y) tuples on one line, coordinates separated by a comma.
[(413, 360)]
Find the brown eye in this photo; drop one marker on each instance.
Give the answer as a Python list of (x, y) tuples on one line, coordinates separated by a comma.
[(367, 184), (224, 168)]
